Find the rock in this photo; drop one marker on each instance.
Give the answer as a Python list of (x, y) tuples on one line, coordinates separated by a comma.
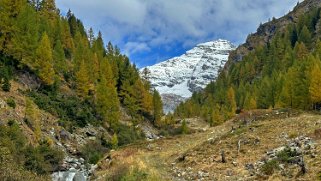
[(91, 133), (64, 135), (81, 160), (68, 176), (234, 164), (79, 177), (249, 166), (3, 104)]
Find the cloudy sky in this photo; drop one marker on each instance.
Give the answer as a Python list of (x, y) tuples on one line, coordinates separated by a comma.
[(150, 31)]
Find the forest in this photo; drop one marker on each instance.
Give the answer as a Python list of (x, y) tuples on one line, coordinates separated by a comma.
[(64, 56)]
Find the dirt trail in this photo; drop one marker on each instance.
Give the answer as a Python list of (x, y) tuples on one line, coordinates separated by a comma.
[(158, 156)]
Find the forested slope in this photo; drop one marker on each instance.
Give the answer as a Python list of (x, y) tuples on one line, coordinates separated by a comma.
[(278, 67), (56, 66)]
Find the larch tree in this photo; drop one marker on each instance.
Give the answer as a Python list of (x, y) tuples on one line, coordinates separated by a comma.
[(44, 62), (231, 101), (82, 80), (315, 85)]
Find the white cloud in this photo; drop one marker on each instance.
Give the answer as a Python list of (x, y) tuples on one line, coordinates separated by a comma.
[(134, 47), (141, 25)]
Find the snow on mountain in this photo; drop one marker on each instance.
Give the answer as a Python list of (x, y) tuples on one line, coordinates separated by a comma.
[(176, 79)]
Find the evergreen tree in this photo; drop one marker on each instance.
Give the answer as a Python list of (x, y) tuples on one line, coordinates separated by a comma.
[(82, 80), (59, 58), (231, 101), (107, 103), (158, 108), (216, 117), (305, 36), (25, 38), (44, 62), (315, 85), (9, 11)]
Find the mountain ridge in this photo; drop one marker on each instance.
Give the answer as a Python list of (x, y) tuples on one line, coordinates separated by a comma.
[(177, 78)]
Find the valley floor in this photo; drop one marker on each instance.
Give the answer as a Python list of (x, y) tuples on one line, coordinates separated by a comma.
[(248, 141)]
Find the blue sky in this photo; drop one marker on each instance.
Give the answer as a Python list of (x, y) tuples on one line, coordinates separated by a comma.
[(151, 31)]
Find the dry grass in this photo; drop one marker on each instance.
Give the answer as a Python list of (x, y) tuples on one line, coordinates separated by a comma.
[(201, 150)]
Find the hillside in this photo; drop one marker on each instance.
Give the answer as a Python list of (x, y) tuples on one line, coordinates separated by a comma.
[(177, 78), (277, 67), (65, 97), (254, 149)]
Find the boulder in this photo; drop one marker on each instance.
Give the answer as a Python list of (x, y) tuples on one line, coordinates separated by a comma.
[(3, 104), (64, 135)]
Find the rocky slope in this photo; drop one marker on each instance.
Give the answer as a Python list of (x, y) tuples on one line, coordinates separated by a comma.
[(266, 31), (177, 78)]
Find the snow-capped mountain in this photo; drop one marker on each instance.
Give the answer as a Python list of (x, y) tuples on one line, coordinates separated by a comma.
[(176, 79)]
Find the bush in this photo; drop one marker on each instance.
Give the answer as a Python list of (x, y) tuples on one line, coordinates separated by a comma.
[(269, 167), (6, 73), (11, 102), (6, 86), (127, 135), (184, 128), (93, 151), (42, 159), (67, 108), (286, 155)]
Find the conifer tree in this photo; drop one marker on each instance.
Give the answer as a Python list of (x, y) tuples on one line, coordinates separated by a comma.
[(231, 101), (25, 38), (216, 117), (158, 108), (59, 58), (44, 62), (9, 11), (107, 103), (305, 36), (82, 80), (315, 85)]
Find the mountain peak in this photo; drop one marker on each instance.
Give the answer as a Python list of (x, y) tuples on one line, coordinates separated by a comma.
[(181, 76)]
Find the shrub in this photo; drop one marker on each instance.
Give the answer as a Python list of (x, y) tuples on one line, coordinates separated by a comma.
[(42, 159), (93, 151), (184, 128), (269, 167), (286, 155), (127, 135), (68, 108), (11, 102), (6, 86), (114, 141)]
